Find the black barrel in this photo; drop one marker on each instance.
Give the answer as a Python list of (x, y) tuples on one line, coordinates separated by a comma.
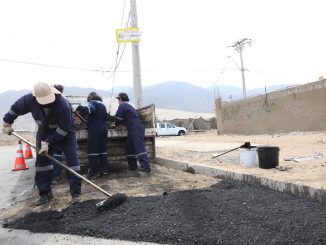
[(268, 156)]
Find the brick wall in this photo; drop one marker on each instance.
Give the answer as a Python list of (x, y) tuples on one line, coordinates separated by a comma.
[(300, 108)]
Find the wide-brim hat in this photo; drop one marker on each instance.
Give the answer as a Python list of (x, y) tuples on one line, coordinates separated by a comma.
[(44, 93)]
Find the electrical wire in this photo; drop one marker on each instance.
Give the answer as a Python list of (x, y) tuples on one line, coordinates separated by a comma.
[(117, 59), (123, 12), (53, 66), (209, 94)]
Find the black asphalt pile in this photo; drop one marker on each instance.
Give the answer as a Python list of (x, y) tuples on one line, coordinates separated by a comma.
[(228, 212)]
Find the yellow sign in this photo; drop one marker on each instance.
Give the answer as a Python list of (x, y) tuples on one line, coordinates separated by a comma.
[(128, 35)]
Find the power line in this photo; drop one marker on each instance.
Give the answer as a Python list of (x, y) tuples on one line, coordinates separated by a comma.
[(56, 66), (117, 59), (109, 70)]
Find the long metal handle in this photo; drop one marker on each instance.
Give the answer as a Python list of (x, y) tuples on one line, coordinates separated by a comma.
[(62, 165), (225, 152), (245, 145), (82, 118)]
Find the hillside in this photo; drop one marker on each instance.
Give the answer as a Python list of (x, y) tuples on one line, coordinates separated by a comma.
[(175, 96)]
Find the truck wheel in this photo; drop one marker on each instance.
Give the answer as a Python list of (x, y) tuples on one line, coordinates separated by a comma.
[(181, 132)]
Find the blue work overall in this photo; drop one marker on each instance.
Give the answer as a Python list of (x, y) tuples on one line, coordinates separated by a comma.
[(97, 140), (135, 145), (55, 126)]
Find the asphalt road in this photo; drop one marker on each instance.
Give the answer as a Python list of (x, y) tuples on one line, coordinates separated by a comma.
[(228, 212), (14, 186)]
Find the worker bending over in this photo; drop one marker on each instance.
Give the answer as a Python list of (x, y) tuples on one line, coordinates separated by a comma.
[(97, 135), (56, 128), (135, 146)]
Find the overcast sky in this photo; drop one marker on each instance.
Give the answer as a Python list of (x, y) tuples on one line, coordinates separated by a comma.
[(182, 40)]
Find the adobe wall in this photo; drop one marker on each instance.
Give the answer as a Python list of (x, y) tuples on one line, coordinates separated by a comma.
[(195, 124), (300, 108)]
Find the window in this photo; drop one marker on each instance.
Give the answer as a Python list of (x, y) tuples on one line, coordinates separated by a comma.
[(162, 125), (171, 126)]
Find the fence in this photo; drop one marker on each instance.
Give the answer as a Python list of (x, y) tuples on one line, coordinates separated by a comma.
[(299, 108)]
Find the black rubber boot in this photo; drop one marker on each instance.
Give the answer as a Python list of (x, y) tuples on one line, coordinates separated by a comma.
[(75, 199), (44, 198)]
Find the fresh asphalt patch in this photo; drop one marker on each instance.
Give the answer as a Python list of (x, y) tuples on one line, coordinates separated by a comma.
[(229, 212)]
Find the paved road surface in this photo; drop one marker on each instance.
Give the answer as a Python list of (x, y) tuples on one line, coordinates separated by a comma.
[(14, 185)]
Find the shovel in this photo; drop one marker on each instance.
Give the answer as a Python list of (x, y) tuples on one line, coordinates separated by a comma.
[(81, 117), (113, 200), (245, 145)]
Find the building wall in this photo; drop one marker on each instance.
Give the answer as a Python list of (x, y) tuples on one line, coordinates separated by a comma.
[(300, 108), (195, 124)]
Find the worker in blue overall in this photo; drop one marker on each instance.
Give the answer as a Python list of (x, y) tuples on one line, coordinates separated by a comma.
[(97, 139), (135, 145), (57, 153), (56, 128)]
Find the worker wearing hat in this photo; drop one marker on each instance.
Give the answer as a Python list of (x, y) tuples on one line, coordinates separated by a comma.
[(135, 146), (56, 128)]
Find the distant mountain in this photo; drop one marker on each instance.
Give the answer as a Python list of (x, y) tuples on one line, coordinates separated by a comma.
[(9, 97), (86, 91), (225, 91), (172, 95), (169, 95), (179, 96)]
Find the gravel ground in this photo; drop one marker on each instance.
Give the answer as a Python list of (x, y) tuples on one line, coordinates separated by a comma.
[(229, 212)]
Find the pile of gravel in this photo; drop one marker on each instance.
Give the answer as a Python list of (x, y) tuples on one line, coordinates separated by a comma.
[(228, 212)]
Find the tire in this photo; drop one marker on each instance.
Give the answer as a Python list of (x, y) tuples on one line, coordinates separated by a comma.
[(181, 132)]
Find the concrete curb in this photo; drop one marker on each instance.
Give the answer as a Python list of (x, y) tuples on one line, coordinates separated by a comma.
[(295, 189)]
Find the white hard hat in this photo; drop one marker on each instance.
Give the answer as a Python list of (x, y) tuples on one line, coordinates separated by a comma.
[(44, 93)]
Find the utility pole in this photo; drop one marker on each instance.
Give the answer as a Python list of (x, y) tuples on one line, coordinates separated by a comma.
[(239, 46), (138, 93)]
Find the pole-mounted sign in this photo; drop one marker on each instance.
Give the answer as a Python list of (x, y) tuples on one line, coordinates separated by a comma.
[(126, 35)]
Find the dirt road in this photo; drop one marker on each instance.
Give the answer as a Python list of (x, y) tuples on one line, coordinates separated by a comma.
[(303, 152)]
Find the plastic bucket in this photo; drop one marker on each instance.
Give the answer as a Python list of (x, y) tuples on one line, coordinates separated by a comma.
[(268, 156), (248, 157)]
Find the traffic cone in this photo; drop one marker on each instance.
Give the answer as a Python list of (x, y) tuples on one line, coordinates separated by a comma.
[(20, 161), (28, 152)]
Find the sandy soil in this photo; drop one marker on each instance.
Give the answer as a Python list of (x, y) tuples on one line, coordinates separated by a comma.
[(307, 151)]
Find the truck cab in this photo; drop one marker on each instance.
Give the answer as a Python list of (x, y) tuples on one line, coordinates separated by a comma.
[(163, 128)]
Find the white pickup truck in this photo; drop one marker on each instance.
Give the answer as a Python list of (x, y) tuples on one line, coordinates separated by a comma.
[(169, 129)]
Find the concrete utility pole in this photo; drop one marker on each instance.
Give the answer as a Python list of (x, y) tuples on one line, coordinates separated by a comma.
[(239, 46), (138, 93)]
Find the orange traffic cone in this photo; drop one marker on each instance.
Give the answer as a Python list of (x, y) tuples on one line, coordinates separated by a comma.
[(20, 161), (28, 152)]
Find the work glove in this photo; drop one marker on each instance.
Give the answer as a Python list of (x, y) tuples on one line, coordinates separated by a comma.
[(44, 148), (7, 128)]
